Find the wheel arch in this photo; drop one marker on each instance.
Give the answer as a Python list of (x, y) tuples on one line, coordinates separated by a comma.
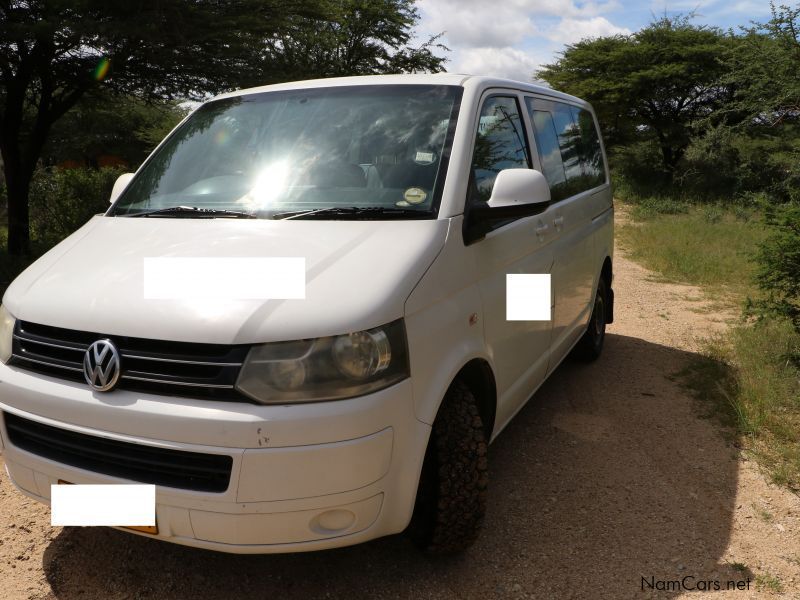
[(478, 376)]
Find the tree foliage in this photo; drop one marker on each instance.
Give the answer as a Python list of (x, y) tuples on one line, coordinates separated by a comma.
[(658, 83), (779, 264), (55, 52), (62, 200), (764, 69), (110, 125), (356, 37)]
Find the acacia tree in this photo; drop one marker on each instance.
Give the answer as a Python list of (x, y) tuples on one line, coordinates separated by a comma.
[(356, 37), (54, 52), (659, 82), (765, 69)]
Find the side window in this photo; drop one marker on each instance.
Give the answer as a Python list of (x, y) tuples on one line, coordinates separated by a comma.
[(500, 144), (590, 152), (549, 153), (569, 139), (568, 145)]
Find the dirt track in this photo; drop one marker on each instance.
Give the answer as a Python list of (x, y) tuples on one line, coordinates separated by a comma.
[(608, 476)]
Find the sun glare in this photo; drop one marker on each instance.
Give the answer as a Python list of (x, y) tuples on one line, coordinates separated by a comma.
[(269, 185)]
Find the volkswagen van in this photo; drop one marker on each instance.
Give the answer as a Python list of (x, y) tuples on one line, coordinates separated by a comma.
[(159, 345)]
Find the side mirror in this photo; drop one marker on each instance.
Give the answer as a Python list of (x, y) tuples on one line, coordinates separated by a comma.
[(119, 186), (520, 191), (516, 193)]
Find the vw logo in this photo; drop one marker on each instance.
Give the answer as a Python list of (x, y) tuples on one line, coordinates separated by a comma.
[(101, 365)]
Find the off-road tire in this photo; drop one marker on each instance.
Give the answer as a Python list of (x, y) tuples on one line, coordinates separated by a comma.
[(590, 345), (451, 498)]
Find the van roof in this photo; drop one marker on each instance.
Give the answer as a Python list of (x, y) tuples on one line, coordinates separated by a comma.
[(459, 79)]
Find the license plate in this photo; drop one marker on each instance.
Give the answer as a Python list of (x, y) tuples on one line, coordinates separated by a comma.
[(151, 529)]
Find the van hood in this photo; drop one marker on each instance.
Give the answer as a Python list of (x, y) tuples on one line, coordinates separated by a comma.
[(358, 275)]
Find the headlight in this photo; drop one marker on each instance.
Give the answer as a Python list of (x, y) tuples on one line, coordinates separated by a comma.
[(328, 368), (6, 334)]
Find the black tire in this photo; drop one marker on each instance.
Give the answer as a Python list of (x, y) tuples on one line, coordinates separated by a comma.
[(451, 498), (590, 345)]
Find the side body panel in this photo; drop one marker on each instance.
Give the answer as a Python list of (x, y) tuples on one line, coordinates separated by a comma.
[(444, 324)]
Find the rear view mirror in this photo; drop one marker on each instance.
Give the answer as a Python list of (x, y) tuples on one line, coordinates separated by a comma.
[(516, 193), (119, 186), (520, 189)]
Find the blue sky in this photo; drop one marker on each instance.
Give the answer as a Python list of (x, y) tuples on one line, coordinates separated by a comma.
[(511, 38)]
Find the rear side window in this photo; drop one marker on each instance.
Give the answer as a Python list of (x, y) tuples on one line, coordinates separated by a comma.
[(568, 145), (591, 155), (569, 140), (500, 144), (549, 151)]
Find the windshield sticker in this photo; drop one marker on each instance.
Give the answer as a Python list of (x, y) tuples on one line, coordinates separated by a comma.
[(425, 158), (415, 195)]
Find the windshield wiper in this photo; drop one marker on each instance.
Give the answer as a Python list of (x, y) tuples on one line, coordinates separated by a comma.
[(365, 212), (193, 212)]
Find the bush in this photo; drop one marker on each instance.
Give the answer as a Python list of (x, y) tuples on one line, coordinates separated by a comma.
[(710, 167), (770, 165), (647, 208), (638, 173), (61, 200), (778, 259), (722, 165)]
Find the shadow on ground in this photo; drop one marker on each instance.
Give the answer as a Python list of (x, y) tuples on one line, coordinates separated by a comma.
[(606, 477)]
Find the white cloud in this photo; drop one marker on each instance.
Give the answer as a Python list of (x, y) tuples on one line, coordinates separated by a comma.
[(485, 23), (569, 30), (659, 7), (498, 62), (477, 24), (512, 38)]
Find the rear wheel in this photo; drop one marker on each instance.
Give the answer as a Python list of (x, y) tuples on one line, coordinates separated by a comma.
[(451, 498), (591, 344)]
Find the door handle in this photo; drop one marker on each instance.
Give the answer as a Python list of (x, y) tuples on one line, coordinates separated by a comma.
[(558, 222), (541, 229)]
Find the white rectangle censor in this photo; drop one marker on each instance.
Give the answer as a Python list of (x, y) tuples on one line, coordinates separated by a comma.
[(224, 278), (113, 505), (528, 297)]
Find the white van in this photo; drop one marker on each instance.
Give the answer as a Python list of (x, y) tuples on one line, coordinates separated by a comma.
[(363, 406)]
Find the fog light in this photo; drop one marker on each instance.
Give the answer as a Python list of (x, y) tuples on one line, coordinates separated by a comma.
[(333, 521)]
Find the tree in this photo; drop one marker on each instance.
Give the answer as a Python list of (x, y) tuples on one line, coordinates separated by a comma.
[(105, 124), (357, 37), (659, 83), (53, 51), (765, 69)]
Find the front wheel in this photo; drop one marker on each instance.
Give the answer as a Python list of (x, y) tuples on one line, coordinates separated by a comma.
[(451, 498), (591, 344)]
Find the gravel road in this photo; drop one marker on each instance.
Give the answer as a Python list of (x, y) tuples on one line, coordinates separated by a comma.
[(609, 478)]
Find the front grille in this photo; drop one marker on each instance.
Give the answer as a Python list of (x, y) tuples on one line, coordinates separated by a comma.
[(136, 462), (156, 366)]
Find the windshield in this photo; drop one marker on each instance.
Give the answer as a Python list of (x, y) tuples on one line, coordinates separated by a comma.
[(294, 152)]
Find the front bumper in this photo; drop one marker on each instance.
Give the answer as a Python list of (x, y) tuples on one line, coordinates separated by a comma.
[(304, 476)]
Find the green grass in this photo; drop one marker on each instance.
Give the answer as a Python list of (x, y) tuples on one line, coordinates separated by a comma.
[(750, 377), (706, 246), (768, 582), (738, 567), (763, 513)]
